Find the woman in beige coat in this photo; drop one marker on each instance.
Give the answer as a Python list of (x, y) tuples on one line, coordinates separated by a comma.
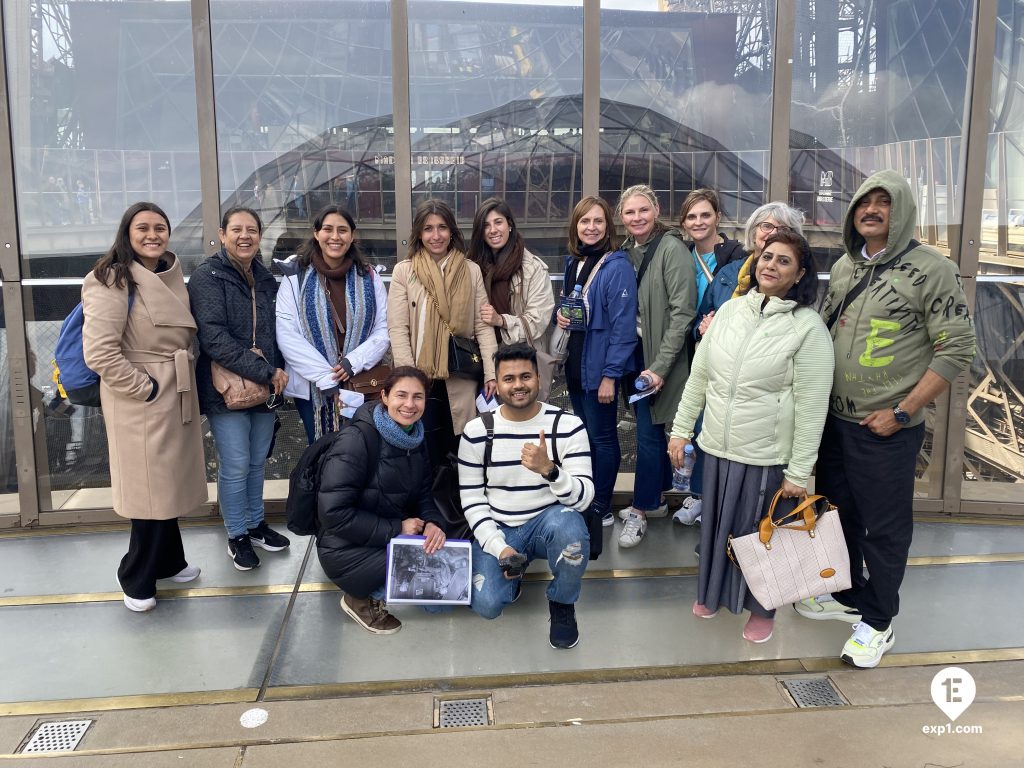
[(138, 336), (436, 289)]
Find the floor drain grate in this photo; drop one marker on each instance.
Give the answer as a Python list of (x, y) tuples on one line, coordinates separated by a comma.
[(817, 692), (461, 713), (57, 736)]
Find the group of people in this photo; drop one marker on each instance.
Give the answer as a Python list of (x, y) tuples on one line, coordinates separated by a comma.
[(723, 340)]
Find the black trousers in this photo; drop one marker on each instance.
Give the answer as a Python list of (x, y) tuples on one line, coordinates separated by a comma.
[(871, 480), (438, 429), (154, 552)]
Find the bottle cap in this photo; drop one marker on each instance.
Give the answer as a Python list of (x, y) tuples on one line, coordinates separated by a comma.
[(578, 287), (688, 449)]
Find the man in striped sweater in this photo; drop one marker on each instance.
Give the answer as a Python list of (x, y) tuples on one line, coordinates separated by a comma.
[(524, 498)]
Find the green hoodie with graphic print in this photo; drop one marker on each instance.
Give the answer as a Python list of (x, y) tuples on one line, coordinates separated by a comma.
[(912, 317)]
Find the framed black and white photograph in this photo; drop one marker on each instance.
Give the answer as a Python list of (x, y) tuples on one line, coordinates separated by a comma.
[(439, 579)]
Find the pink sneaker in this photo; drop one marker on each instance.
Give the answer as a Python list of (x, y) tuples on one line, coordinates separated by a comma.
[(703, 613), (758, 629)]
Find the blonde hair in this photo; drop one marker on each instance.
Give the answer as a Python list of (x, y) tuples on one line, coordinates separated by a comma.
[(637, 189)]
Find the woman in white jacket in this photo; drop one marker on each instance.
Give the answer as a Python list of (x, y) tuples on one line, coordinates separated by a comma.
[(762, 374), (331, 320)]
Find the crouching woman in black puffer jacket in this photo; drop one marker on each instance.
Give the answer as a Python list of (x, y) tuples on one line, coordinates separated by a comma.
[(361, 508)]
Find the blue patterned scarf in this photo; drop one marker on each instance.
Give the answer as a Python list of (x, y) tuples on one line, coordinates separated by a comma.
[(317, 324), (392, 431)]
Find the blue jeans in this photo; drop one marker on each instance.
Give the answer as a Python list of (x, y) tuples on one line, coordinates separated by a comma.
[(243, 440), (601, 421), (653, 474), (305, 411), (558, 534)]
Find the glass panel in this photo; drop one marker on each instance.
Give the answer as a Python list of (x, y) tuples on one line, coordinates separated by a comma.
[(8, 465), (879, 86), (102, 102), (994, 450), (882, 87), (304, 116), (495, 99), (671, 81)]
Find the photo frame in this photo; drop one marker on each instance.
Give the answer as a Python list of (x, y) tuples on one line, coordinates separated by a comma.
[(416, 578)]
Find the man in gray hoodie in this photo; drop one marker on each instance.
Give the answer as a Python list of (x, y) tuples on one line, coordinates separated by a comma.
[(902, 332)]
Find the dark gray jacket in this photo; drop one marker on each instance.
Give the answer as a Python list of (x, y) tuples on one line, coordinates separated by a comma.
[(222, 306)]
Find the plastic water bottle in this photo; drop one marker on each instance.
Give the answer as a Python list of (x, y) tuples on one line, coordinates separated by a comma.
[(642, 383), (681, 477), (572, 308)]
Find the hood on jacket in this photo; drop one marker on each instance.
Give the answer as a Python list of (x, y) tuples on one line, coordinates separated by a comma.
[(902, 214)]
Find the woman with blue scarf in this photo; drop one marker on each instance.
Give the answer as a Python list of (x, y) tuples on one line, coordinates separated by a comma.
[(331, 320), (363, 504)]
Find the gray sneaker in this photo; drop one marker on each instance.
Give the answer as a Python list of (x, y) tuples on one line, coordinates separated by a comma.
[(689, 512), (632, 531)]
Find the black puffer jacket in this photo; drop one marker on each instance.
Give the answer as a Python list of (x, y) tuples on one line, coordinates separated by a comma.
[(222, 306), (360, 509)]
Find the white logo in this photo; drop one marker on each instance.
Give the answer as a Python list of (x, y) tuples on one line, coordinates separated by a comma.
[(625, 293), (826, 179), (953, 691)]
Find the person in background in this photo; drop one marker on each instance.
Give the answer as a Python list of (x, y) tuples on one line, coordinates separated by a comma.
[(362, 504), (233, 296), (667, 298), (138, 335), (519, 295), (599, 356), (762, 375), (435, 292), (331, 319)]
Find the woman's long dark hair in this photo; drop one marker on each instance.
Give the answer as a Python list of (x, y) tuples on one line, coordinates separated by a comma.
[(419, 219), (480, 251), (311, 247), (121, 254), (804, 292)]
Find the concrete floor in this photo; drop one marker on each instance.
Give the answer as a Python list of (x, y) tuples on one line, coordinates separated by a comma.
[(648, 685)]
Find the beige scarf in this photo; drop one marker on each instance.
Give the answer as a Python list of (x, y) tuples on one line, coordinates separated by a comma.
[(449, 308)]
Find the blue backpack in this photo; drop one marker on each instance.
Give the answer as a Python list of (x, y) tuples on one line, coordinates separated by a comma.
[(76, 381)]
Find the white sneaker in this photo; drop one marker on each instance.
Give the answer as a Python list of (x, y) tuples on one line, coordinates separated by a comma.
[(134, 604), (825, 607), (661, 511), (866, 646), (633, 531), (188, 573), (689, 512)]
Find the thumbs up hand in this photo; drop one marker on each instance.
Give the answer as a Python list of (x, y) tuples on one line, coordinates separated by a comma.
[(535, 457)]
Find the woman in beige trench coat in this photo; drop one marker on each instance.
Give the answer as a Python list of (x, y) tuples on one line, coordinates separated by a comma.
[(434, 292), (142, 350)]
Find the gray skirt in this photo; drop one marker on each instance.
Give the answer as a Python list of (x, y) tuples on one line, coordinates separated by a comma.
[(736, 497)]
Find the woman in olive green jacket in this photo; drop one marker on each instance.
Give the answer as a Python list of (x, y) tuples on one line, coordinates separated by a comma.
[(667, 295)]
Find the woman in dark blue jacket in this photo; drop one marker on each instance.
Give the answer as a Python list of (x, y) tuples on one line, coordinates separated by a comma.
[(227, 291), (600, 355), (363, 504)]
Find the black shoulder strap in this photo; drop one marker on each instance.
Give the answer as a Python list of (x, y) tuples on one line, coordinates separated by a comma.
[(652, 247), (554, 438), (868, 279), (372, 439), (488, 420)]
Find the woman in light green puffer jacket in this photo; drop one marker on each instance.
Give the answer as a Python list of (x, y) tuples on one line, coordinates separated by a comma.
[(762, 374)]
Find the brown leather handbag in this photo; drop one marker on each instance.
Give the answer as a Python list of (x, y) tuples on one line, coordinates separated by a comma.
[(238, 392), (369, 382)]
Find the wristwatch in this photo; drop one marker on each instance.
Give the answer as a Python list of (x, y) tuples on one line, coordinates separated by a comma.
[(902, 417), (552, 475)]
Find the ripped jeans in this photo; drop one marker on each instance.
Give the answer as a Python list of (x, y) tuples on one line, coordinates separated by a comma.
[(558, 534)]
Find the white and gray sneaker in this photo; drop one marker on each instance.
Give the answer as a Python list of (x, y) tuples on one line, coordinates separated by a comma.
[(689, 512), (633, 530), (661, 511)]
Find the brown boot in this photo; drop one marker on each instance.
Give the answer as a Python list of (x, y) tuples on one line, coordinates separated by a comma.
[(371, 615)]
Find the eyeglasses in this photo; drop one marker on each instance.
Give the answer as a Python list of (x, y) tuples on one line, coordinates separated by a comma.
[(274, 400), (767, 227)]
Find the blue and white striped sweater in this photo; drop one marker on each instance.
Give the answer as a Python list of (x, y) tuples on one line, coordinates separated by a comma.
[(514, 494)]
